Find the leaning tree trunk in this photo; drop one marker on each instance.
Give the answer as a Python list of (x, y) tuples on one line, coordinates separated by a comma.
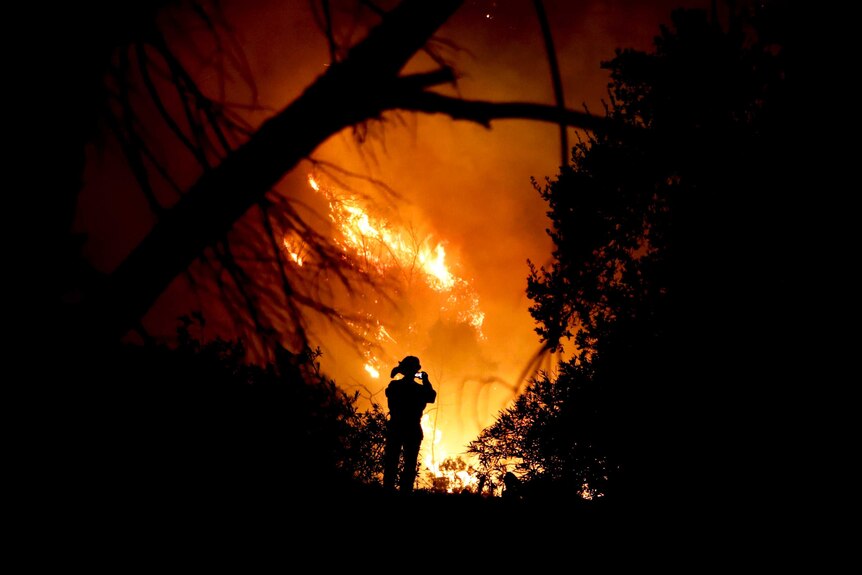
[(349, 92)]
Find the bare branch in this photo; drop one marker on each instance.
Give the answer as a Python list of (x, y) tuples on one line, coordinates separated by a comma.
[(427, 79), (555, 75), (484, 112)]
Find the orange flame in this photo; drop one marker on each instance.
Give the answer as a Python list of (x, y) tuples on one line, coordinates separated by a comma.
[(436, 268), (373, 241)]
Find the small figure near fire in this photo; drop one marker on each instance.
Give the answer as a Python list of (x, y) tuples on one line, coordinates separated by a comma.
[(407, 400)]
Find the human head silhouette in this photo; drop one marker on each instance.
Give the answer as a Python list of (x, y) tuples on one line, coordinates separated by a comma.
[(407, 367)]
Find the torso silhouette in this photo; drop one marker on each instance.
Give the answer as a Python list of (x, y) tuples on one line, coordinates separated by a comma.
[(407, 400)]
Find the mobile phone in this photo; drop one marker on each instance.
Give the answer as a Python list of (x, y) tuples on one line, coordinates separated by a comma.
[(419, 374)]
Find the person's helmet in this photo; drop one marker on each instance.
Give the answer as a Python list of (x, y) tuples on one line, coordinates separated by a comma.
[(407, 367)]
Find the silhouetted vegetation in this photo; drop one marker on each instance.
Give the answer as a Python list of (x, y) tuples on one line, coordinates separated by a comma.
[(197, 425), (550, 437), (666, 240)]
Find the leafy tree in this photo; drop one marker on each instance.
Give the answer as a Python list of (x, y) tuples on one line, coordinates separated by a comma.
[(551, 437), (659, 230), (366, 440)]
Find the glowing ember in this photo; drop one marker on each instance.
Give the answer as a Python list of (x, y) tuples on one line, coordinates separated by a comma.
[(587, 493)]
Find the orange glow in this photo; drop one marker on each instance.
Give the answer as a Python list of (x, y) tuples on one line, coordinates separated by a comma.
[(383, 335)]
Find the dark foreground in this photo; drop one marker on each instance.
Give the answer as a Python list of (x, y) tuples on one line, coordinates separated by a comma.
[(232, 526)]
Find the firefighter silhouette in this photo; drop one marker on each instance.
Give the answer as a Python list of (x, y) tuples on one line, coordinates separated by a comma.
[(406, 399)]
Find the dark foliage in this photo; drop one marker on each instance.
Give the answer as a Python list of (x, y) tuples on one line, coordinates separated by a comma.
[(198, 428), (550, 437), (667, 240)]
